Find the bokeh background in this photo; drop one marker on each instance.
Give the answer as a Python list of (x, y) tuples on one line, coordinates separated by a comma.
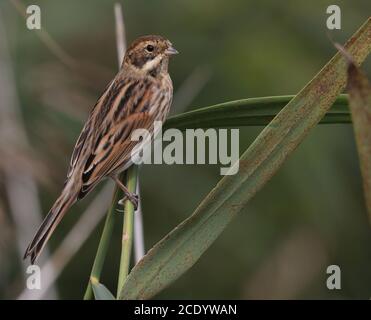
[(309, 216)]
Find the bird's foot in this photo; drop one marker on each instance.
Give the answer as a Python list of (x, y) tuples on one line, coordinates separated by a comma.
[(132, 197)]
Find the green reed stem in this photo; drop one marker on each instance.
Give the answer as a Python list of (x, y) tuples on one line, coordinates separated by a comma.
[(128, 229), (104, 242)]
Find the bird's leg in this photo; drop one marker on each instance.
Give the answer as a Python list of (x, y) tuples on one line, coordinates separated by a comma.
[(133, 198)]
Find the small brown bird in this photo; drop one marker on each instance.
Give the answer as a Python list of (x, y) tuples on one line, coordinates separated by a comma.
[(140, 94)]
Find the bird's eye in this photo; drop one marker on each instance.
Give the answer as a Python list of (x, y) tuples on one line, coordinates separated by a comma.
[(150, 48)]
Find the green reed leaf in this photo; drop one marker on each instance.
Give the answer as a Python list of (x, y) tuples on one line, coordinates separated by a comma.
[(250, 112), (100, 291), (359, 89)]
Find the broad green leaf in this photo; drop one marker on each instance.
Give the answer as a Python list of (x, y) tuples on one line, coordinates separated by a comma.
[(100, 291), (249, 112), (183, 246), (360, 105)]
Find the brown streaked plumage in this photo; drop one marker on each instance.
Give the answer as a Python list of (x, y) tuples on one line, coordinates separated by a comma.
[(140, 94)]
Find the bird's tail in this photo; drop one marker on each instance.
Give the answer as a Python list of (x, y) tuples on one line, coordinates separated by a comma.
[(55, 215)]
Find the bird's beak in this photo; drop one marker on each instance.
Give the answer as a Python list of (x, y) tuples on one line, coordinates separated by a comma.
[(171, 51)]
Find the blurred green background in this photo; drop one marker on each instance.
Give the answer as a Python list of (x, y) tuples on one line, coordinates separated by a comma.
[(309, 216)]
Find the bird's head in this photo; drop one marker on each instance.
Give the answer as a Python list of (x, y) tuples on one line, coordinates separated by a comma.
[(149, 54)]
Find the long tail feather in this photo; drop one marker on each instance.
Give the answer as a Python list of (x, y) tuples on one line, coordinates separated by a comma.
[(55, 215)]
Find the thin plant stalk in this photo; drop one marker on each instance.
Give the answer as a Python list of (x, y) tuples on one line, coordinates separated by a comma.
[(139, 249), (128, 229), (103, 244)]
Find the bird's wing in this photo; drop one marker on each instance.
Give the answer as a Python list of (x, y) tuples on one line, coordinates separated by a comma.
[(87, 131), (78, 147), (113, 150)]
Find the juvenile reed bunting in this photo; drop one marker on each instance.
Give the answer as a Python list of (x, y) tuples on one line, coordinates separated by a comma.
[(140, 94)]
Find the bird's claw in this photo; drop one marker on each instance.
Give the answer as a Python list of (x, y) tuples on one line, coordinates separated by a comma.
[(133, 198)]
